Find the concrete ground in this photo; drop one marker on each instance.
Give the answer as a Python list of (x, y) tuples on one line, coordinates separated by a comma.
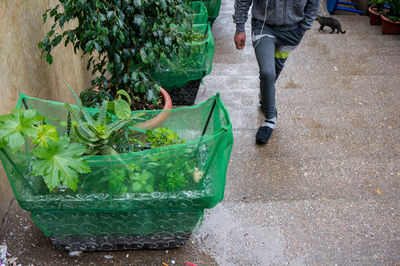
[(324, 191)]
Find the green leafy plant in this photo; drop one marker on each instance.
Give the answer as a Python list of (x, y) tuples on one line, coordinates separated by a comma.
[(142, 181), (99, 134), (394, 10), (56, 159), (18, 125), (60, 163), (94, 98), (123, 39), (378, 4), (60, 160), (117, 181), (160, 137), (177, 173), (175, 181), (44, 132)]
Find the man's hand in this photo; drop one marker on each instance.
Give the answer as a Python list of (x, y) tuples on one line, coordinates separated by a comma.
[(240, 40)]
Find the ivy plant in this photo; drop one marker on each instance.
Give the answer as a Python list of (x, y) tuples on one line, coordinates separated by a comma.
[(123, 38)]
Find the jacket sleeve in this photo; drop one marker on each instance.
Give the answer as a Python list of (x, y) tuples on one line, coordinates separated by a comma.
[(241, 13), (310, 13)]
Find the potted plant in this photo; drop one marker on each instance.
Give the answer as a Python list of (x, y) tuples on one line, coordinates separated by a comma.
[(180, 74), (375, 10), (391, 18), (91, 183), (123, 40)]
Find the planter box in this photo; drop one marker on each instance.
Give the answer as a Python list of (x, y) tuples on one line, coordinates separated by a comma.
[(102, 216), (390, 27), (186, 67), (200, 12)]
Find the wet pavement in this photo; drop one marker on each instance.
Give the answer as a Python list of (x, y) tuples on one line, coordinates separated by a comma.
[(325, 190)]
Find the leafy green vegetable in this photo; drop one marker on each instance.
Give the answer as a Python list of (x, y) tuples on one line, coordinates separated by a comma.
[(142, 182), (16, 126), (116, 182), (175, 181), (59, 163), (163, 136), (44, 132)]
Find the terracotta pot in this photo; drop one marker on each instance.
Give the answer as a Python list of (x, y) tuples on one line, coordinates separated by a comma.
[(390, 27), (374, 17), (156, 121)]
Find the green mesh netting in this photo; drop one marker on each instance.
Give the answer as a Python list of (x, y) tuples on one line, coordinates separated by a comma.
[(100, 209), (205, 156), (200, 12), (116, 223), (213, 7), (185, 67)]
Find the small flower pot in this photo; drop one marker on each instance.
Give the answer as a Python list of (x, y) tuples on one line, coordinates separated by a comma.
[(390, 27)]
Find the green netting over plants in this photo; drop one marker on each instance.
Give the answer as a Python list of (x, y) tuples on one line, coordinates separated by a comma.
[(185, 66), (117, 223), (150, 199), (200, 12), (213, 7), (188, 176)]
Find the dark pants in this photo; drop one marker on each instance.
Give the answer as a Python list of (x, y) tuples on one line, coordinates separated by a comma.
[(272, 47)]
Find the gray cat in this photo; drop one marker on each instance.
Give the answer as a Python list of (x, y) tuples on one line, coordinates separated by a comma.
[(333, 23)]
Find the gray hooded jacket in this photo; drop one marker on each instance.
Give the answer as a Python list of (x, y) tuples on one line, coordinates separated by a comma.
[(280, 13)]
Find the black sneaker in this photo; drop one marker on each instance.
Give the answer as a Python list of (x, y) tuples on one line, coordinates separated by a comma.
[(263, 134)]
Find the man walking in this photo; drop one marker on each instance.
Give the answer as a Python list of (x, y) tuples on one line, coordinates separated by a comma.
[(277, 27)]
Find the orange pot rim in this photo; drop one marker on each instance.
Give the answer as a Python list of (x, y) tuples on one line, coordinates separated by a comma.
[(157, 120), (373, 11), (390, 21)]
